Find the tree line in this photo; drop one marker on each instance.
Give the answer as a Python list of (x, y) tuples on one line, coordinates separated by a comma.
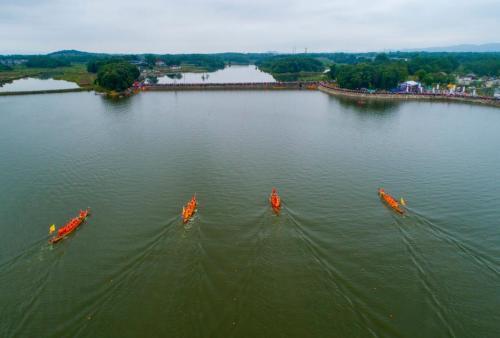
[(351, 70), (385, 71), (290, 64), (206, 61), (42, 61)]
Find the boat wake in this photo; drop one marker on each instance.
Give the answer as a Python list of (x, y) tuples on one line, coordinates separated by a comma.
[(39, 261), (479, 258), (410, 227), (425, 276), (34, 251), (339, 283)]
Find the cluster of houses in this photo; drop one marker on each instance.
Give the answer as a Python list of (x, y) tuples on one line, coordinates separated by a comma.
[(472, 79), (465, 85), (158, 71), (160, 63), (471, 82)]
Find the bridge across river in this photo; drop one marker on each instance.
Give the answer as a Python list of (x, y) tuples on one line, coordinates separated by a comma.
[(233, 86)]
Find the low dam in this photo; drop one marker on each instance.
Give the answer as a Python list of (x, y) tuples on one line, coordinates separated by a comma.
[(233, 86)]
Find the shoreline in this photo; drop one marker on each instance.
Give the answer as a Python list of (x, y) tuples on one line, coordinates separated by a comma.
[(48, 91), (321, 86), (329, 89)]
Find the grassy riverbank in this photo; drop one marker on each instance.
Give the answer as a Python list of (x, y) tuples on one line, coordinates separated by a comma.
[(301, 76)]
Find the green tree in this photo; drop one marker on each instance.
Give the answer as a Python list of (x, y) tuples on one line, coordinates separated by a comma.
[(4, 67), (117, 76), (45, 62), (150, 59), (385, 75), (290, 64), (333, 71), (93, 66), (381, 58), (420, 74)]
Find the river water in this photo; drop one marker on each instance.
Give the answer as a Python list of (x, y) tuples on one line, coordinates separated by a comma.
[(32, 84), (232, 74), (335, 263)]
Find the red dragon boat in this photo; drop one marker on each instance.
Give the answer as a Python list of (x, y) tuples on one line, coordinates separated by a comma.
[(275, 201), (71, 226), (189, 210), (390, 201)]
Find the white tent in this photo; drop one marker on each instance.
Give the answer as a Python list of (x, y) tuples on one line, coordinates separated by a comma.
[(411, 83)]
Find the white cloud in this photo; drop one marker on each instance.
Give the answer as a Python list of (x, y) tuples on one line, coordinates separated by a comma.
[(39, 26)]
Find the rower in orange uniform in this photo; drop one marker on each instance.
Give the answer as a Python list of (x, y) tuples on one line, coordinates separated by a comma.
[(390, 201), (189, 210), (275, 201)]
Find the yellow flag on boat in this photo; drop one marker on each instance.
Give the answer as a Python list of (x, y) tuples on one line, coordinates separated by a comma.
[(52, 228), (402, 201)]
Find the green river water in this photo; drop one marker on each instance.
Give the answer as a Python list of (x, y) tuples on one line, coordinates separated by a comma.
[(335, 263)]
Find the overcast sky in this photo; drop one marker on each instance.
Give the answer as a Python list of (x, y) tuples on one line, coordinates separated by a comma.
[(168, 26)]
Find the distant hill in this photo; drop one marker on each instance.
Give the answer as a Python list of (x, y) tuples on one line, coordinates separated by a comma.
[(487, 47), (73, 52), (72, 55)]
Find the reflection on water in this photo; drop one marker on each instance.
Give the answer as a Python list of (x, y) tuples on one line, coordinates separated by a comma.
[(368, 105), (178, 76), (152, 80), (117, 105), (33, 84), (232, 74)]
